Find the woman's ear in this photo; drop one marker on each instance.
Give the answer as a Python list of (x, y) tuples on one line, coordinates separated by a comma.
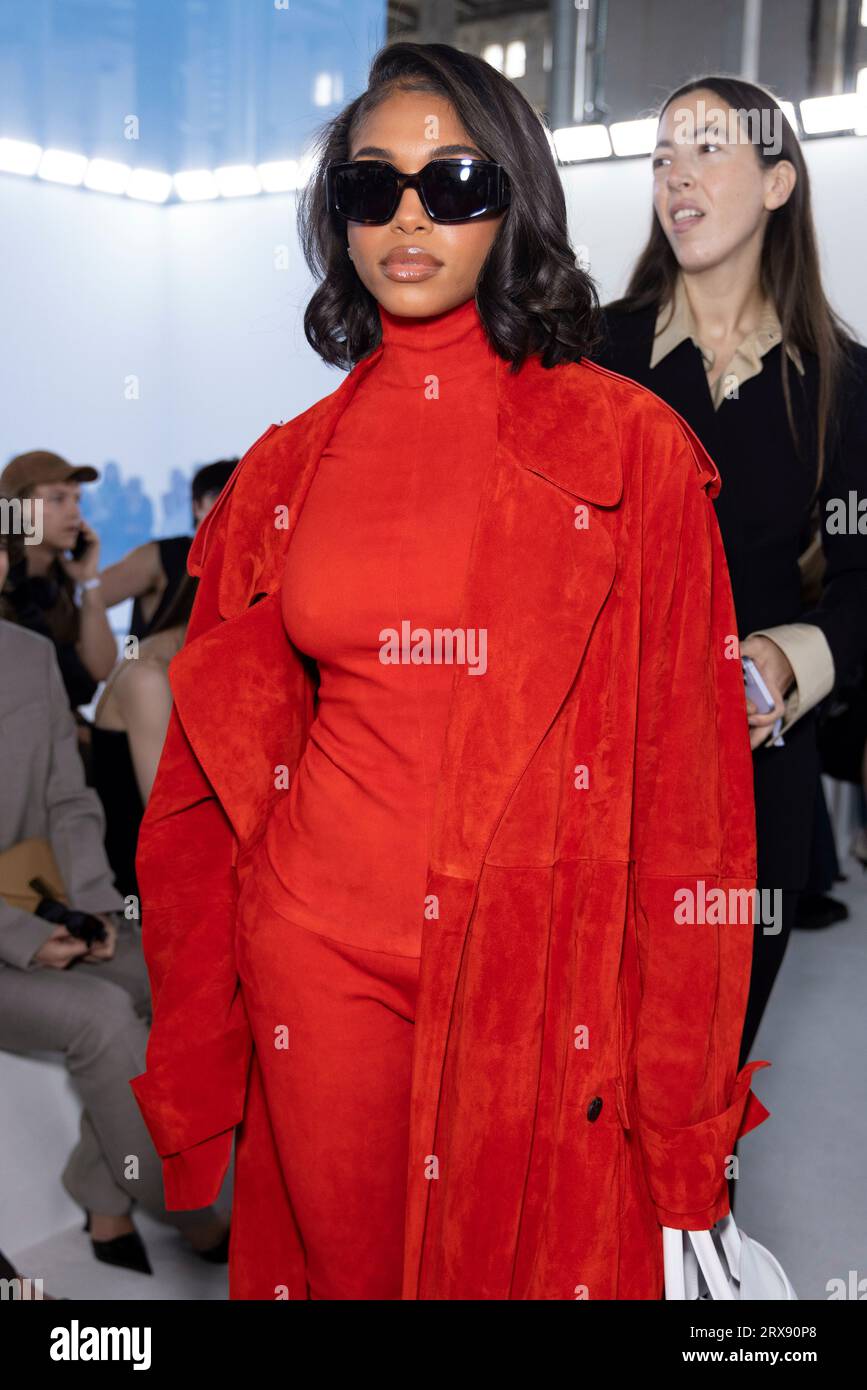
[(780, 181)]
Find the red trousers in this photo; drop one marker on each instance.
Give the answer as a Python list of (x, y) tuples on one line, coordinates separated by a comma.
[(332, 1027)]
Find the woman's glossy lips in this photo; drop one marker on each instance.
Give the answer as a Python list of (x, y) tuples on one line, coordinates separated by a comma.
[(410, 265)]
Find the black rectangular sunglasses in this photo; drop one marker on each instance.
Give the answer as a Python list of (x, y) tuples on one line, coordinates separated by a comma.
[(451, 190)]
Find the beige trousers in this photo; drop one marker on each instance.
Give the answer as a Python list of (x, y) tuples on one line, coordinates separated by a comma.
[(98, 1015)]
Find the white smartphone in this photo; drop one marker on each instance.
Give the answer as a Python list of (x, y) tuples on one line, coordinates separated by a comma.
[(756, 690)]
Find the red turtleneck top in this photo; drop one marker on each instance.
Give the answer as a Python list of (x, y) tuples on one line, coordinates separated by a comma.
[(383, 539)]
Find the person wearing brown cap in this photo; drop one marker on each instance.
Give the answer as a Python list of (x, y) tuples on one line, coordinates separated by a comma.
[(54, 587), (63, 991)]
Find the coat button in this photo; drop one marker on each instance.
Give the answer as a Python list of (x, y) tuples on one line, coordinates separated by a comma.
[(594, 1108)]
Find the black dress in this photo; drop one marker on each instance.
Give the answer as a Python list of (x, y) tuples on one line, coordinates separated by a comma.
[(115, 782), (763, 509), (173, 558)]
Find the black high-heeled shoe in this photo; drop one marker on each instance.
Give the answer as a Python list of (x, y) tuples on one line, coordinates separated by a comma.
[(126, 1251)]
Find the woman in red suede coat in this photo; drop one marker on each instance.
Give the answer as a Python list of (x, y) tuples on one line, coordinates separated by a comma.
[(446, 870)]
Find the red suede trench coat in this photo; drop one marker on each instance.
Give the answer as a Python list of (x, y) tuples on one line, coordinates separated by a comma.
[(574, 1075)]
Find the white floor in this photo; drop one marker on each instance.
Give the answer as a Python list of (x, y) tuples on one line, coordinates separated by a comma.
[(803, 1187), (803, 1172), (68, 1269)]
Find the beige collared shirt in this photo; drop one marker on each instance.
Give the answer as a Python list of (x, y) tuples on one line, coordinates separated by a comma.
[(805, 645), (673, 327)]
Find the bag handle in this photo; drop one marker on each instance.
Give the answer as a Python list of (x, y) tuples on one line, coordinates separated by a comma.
[(685, 1252)]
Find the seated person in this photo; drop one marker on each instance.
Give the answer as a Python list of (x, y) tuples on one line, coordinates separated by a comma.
[(49, 591), (151, 573), (91, 1002), (129, 730)]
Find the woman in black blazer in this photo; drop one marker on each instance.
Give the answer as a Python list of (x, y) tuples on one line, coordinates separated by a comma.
[(726, 320)]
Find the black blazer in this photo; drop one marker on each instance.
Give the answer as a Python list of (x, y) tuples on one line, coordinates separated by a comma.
[(763, 509)]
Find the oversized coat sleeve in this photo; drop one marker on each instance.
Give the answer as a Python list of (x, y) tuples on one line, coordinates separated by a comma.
[(693, 831), (192, 1092)]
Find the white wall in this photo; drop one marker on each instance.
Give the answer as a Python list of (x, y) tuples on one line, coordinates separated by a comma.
[(190, 299), (83, 294), (238, 356)]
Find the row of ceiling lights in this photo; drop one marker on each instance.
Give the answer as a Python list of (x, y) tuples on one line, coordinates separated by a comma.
[(149, 185), (843, 114)]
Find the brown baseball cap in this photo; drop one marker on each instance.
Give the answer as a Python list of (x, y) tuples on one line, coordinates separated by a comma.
[(40, 466)]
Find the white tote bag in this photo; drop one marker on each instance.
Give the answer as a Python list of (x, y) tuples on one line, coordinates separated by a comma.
[(721, 1263)]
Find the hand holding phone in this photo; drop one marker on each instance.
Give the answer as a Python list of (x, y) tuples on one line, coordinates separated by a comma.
[(82, 561), (81, 544), (756, 690)]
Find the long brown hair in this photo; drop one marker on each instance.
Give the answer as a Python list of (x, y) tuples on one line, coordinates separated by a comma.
[(790, 273), (62, 621)]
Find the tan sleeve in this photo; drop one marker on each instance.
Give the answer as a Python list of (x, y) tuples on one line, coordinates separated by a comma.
[(809, 655)]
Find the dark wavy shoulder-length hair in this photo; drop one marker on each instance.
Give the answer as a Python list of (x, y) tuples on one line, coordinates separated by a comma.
[(531, 295)]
